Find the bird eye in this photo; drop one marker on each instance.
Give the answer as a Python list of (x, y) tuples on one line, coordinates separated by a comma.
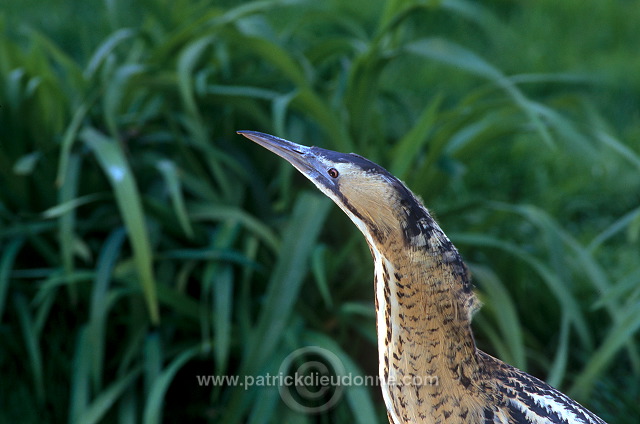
[(333, 173)]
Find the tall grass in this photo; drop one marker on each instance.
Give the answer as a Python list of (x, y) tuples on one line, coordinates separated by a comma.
[(143, 243)]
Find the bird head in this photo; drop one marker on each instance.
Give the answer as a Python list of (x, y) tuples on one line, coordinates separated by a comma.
[(376, 201)]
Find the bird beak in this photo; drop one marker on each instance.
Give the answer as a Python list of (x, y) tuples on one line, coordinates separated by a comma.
[(302, 157)]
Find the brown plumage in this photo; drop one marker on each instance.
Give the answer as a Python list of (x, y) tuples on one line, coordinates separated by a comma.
[(424, 303)]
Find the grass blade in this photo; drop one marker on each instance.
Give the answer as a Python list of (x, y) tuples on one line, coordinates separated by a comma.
[(357, 396), (105, 400), (153, 358), (66, 222), (561, 293), (68, 139), (101, 302), (285, 282), (80, 387), (319, 268), (559, 367), (613, 229), (181, 303), (222, 307), (117, 88), (154, 403), (114, 164), (105, 50), (64, 208), (622, 332), (621, 148), (186, 65), (407, 149), (455, 55), (232, 214), (505, 313), (31, 340), (9, 253), (168, 170), (25, 165), (284, 285)]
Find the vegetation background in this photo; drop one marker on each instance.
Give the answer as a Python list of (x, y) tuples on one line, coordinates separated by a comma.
[(143, 242)]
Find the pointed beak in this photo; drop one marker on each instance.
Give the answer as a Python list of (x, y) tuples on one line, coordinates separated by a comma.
[(302, 157)]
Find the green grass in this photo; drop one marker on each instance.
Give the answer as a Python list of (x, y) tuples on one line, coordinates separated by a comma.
[(143, 242)]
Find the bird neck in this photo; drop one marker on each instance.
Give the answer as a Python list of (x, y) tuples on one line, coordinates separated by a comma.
[(424, 304), (423, 296)]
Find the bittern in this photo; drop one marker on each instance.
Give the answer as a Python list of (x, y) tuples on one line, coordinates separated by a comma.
[(424, 303)]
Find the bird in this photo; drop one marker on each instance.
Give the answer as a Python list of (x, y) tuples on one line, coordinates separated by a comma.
[(431, 369)]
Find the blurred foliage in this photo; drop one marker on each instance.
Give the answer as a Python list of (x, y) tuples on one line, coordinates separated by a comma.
[(143, 243)]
